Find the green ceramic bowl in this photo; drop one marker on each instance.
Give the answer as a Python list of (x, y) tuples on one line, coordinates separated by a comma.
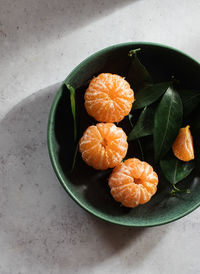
[(89, 187)]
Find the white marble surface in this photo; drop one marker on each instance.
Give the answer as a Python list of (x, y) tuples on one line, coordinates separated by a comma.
[(41, 229)]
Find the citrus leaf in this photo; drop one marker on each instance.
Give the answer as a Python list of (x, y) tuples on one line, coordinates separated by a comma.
[(144, 125), (137, 76), (149, 94), (141, 149), (138, 141), (190, 99), (175, 170), (167, 122), (73, 108)]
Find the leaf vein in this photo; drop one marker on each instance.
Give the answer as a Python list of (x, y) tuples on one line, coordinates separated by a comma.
[(166, 126)]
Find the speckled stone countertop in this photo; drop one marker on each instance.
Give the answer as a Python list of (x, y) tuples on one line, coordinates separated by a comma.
[(41, 229)]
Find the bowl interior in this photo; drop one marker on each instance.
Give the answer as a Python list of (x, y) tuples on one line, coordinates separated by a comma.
[(89, 187)]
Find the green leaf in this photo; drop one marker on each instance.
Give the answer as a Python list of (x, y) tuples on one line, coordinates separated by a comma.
[(138, 141), (190, 99), (144, 125), (175, 170), (141, 150), (73, 108), (149, 94), (137, 76), (167, 122)]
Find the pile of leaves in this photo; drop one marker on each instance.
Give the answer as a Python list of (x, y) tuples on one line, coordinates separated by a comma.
[(164, 110)]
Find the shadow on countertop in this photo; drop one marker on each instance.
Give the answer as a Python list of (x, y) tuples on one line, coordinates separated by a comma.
[(43, 229), (40, 21)]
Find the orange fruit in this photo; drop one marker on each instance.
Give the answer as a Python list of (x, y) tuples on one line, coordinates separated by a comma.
[(133, 182), (103, 146), (183, 145), (108, 98)]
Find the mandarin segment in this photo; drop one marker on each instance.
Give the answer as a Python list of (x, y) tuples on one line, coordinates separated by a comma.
[(133, 182), (183, 145), (103, 146), (108, 98)]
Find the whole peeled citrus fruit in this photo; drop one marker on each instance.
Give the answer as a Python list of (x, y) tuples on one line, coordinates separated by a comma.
[(133, 182), (108, 98), (103, 146)]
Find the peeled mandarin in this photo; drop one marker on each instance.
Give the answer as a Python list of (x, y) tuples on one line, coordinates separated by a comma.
[(133, 182), (108, 98), (103, 146), (183, 145)]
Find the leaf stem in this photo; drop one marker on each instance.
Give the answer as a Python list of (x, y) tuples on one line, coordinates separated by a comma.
[(174, 80), (133, 52), (130, 117), (176, 189)]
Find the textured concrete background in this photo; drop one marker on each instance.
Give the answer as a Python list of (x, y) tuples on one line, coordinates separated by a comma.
[(41, 229)]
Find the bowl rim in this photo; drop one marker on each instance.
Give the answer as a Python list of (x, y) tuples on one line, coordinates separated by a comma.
[(50, 142)]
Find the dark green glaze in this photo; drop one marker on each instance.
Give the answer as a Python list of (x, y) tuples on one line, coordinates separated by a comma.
[(89, 187)]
